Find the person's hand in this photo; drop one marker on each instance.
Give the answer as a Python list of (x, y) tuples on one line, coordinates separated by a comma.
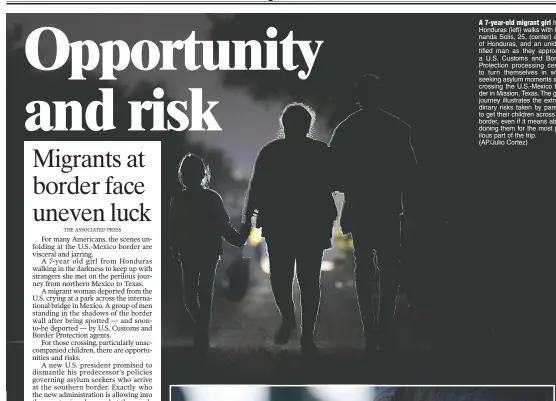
[(245, 231)]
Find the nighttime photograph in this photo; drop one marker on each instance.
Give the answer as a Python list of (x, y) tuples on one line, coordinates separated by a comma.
[(342, 225)]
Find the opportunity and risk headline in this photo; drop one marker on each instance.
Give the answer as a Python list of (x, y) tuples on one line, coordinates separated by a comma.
[(109, 58), (106, 60)]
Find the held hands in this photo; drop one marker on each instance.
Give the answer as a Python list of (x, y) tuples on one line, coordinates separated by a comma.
[(244, 231)]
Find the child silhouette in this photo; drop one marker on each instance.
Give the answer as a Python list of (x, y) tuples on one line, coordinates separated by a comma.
[(198, 222)]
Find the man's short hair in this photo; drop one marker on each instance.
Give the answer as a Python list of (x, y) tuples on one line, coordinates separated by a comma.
[(369, 84)]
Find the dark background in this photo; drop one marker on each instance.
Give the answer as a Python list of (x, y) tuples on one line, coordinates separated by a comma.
[(482, 259)]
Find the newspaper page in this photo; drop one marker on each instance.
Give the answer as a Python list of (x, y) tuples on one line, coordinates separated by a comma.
[(279, 200)]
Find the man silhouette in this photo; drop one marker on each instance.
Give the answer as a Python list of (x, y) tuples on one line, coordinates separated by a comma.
[(292, 192), (375, 165)]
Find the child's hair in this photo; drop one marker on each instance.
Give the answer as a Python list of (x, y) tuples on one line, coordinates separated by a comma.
[(193, 171), (297, 113)]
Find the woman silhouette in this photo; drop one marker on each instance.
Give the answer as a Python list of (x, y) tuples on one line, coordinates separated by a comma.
[(291, 192)]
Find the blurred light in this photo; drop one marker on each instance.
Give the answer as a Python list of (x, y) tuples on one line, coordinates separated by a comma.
[(337, 229), (240, 175), (227, 392), (265, 264), (339, 284), (326, 265), (342, 393), (255, 237), (341, 240)]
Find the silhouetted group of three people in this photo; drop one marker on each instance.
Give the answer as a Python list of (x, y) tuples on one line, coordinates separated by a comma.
[(370, 159)]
